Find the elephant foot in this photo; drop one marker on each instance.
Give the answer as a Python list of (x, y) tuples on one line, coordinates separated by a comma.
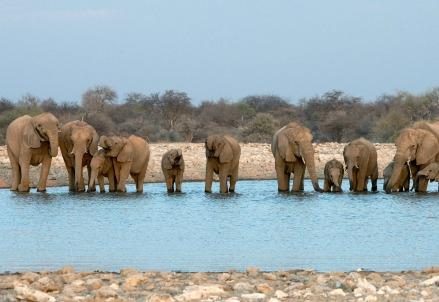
[(22, 188), (231, 190), (178, 191), (207, 191), (170, 190), (374, 188), (42, 190)]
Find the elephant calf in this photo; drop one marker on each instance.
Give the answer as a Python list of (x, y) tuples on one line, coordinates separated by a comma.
[(222, 153), (102, 166), (173, 169), (431, 172), (403, 182), (333, 176)]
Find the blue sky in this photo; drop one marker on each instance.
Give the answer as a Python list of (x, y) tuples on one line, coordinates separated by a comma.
[(218, 48)]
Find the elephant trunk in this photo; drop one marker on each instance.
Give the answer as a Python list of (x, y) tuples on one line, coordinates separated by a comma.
[(79, 154), (308, 155), (53, 141), (396, 172)]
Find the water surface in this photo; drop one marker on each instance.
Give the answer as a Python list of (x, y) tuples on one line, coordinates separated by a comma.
[(194, 231)]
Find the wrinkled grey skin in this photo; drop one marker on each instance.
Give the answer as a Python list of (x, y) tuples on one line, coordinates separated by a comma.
[(333, 172), (31, 141), (102, 166), (403, 182), (360, 157), (222, 154), (173, 169)]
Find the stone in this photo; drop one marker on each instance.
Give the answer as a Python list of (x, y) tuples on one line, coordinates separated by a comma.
[(366, 286), (274, 300), (264, 288), (160, 298), (30, 277), (254, 297), (93, 284), (198, 292), (224, 277), (269, 276), (337, 292), (133, 281), (47, 284), (125, 272), (431, 281), (252, 271), (370, 298), (387, 290), (4, 285), (431, 270), (243, 287), (106, 292), (69, 278), (280, 294), (233, 299), (26, 293), (66, 270)]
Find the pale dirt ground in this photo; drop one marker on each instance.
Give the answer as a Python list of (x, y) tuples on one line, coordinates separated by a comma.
[(256, 162)]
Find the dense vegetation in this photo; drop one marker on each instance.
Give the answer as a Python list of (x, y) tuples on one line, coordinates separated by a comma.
[(170, 116)]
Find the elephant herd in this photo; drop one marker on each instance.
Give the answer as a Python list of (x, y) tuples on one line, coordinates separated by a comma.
[(35, 140)]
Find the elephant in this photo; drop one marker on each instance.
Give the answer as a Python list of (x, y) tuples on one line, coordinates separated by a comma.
[(293, 152), (222, 154), (360, 158), (78, 142), (31, 141), (130, 156), (173, 169), (101, 166), (403, 183), (431, 172), (333, 172), (417, 145)]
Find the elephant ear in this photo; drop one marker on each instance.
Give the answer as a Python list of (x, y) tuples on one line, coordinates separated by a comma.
[(285, 148), (226, 154), (30, 136), (427, 150), (65, 138), (93, 148), (126, 154), (167, 162)]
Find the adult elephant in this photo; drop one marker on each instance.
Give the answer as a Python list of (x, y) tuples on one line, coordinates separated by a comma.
[(293, 152), (31, 141), (78, 142), (222, 153), (417, 146), (403, 182), (130, 156), (360, 158)]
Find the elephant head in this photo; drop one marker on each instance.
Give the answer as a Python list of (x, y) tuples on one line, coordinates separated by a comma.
[(431, 172), (117, 147), (335, 172), (173, 158), (352, 154), (42, 128), (97, 165), (413, 144), (217, 147), (295, 142)]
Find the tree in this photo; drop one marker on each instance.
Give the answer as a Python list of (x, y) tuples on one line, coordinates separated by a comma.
[(173, 105), (95, 99)]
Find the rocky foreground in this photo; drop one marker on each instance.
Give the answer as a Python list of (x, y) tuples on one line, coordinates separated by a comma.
[(251, 286), (256, 162)]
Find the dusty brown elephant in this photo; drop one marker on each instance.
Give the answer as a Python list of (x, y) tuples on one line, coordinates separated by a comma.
[(403, 182), (222, 153), (31, 141), (293, 152), (130, 156), (333, 172), (101, 166), (173, 169), (360, 157), (78, 142), (431, 172), (418, 146)]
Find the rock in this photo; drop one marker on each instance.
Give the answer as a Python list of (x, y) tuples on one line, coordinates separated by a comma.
[(26, 293), (243, 287), (431, 281), (4, 285), (387, 290), (47, 284), (197, 292), (125, 272), (69, 278), (274, 300), (252, 271), (133, 281), (269, 276), (93, 284), (264, 288), (280, 294), (366, 286), (233, 299), (431, 270), (30, 277), (160, 298), (66, 270), (337, 292), (370, 298), (255, 297), (106, 292), (224, 277)]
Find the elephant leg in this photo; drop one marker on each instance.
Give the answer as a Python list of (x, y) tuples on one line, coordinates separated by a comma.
[(299, 173), (422, 184), (45, 167), (16, 174), (81, 185), (89, 174), (139, 181), (233, 179), (71, 175), (101, 184), (223, 180), (209, 178), (326, 186), (283, 179), (123, 176), (374, 180), (24, 170), (170, 184), (112, 183), (178, 181)]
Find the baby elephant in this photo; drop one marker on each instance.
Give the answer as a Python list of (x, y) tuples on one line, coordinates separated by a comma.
[(431, 172), (102, 166), (403, 182), (173, 168), (333, 176)]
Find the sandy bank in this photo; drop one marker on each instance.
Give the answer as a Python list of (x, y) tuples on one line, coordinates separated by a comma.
[(256, 162)]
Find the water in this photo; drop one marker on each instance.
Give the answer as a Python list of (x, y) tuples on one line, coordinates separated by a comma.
[(195, 231)]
